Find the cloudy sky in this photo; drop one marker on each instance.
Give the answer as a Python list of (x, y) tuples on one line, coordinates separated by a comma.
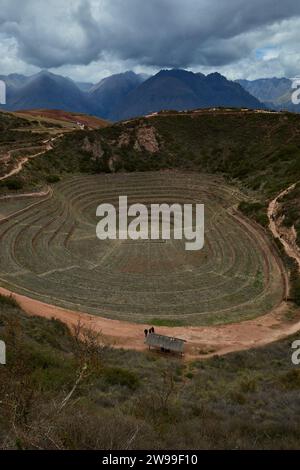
[(90, 39)]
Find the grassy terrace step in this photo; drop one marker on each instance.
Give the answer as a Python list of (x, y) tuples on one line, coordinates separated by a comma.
[(51, 252)]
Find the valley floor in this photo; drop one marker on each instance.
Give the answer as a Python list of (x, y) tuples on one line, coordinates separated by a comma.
[(202, 341)]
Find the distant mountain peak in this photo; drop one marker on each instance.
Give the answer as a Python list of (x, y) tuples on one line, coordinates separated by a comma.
[(217, 75), (275, 92), (174, 72), (110, 91), (178, 89)]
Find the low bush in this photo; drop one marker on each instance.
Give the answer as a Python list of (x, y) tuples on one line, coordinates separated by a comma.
[(52, 178), (14, 184), (120, 376), (8, 300)]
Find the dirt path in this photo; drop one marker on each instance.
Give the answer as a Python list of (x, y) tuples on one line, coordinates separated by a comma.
[(289, 244), (20, 165), (203, 341), (24, 195), (24, 160)]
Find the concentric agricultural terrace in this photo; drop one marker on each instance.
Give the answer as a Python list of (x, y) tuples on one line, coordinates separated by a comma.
[(49, 251)]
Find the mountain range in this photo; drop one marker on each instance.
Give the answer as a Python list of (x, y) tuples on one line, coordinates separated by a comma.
[(128, 94), (180, 90), (274, 92)]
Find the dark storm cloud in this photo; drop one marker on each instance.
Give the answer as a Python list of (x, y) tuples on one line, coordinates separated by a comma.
[(159, 33)]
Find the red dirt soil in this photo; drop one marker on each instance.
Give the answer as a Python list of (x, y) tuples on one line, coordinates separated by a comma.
[(202, 342), (90, 121)]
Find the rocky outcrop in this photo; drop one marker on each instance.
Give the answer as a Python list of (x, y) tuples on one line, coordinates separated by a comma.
[(95, 148), (113, 163), (124, 140), (146, 139)]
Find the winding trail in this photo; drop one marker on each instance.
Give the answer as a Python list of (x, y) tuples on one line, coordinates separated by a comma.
[(24, 160), (21, 163), (290, 248)]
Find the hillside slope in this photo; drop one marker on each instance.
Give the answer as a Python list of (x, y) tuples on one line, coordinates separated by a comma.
[(261, 149), (62, 393), (58, 116)]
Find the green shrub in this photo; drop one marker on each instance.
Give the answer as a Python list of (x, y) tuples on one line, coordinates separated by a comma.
[(14, 184), (189, 375), (238, 397), (120, 376), (291, 379), (256, 211), (295, 291), (52, 178), (8, 300), (248, 384)]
